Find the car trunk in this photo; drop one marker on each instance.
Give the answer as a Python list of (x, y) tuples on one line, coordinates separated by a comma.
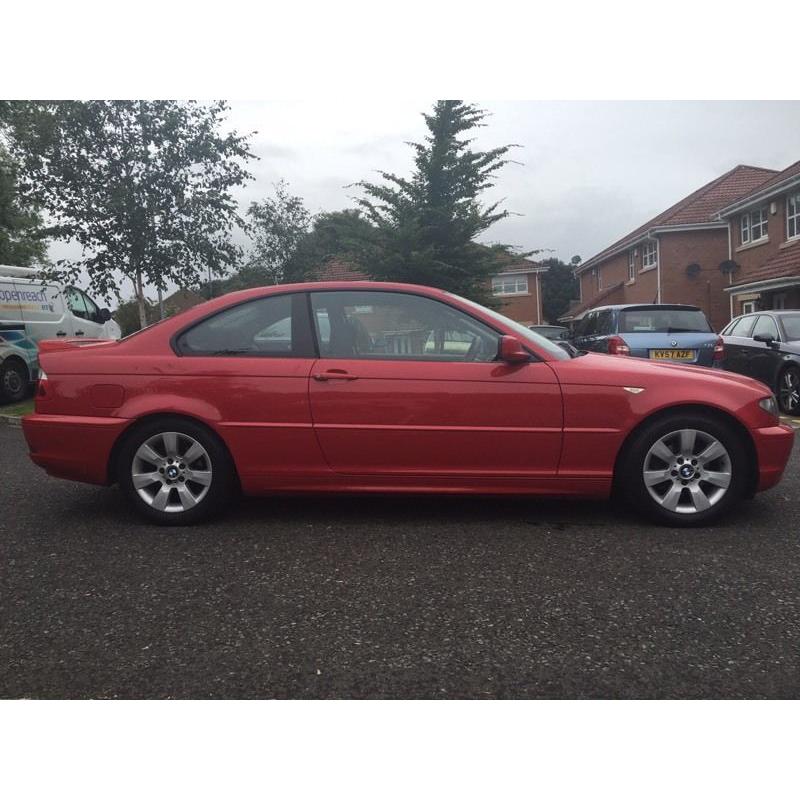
[(685, 348)]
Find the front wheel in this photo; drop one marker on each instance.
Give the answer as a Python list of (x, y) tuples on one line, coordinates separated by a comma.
[(14, 381), (175, 471), (789, 391), (685, 470)]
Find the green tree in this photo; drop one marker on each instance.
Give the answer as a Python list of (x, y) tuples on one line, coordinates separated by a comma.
[(143, 186), (424, 228), (333, 234), (559, 287), (128, 318), (277, 226), (22, 235)]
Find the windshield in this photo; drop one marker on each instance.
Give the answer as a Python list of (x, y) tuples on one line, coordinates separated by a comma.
[(525, 334), (791, 325), (663, 320)]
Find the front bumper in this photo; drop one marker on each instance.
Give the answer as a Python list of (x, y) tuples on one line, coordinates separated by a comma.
[(77, 448), (773, 448)]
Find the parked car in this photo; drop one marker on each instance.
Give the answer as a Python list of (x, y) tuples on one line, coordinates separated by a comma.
[(37, 310), (766, 346), (661, 332), (554, 333), (18, 361), (376, 392)]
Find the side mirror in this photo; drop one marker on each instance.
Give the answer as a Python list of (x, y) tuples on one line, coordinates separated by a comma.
[(512, 351), (104, 315), (767, 339)]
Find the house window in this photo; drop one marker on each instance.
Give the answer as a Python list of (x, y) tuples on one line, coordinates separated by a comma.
[(631, 265), (779, 301), (793, 216), (748, 307), (510, 284), (649, 254), (754, 225)]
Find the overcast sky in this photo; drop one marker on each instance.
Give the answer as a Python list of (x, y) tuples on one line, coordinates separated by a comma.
[(589, 172)]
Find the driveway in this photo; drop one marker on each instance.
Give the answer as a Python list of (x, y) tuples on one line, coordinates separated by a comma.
[(391, 598)]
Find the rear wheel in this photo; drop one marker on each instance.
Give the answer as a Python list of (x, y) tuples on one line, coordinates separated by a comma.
[(175, 471), (685, 470), (789, 390), (14, 381)]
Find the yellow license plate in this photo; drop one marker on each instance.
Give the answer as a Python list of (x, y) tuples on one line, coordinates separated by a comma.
[(673, 355)]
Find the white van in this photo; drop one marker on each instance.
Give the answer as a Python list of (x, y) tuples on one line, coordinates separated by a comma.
[(32, 309)]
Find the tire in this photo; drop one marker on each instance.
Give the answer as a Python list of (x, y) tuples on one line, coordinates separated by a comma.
[(175, 471), (788, 391), (14, 381), (684, 449)]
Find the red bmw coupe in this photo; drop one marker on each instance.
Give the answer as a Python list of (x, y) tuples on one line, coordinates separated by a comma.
[(383, 387)]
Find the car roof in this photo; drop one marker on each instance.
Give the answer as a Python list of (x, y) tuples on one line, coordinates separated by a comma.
[(642, 307)]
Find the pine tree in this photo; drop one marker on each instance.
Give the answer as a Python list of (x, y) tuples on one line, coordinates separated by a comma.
[(559, 287), (424, 228)]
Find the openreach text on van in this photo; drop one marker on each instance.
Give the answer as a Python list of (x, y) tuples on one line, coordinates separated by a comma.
[(19, 296)]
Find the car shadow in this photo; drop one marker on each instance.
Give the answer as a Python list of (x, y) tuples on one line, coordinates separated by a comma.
[(296, 512)]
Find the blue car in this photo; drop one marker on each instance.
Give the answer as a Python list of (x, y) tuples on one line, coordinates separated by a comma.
[(660, 332)]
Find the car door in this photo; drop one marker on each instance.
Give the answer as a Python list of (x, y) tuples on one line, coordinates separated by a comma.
[(737, 343), (763, 361), (86, 314), (406, 384), (247, 368)]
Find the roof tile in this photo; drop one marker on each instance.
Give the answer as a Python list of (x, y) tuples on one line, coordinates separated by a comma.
[(784, 264), (698, 207)]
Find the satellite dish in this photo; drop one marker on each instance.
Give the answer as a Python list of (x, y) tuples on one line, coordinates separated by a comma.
[(693, 270), (728, 266)]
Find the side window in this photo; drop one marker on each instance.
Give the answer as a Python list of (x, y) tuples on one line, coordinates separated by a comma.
[(588, 324), (393, 325), (77, 303), (92, 310), (269, 326), (766, 326), (741, 327), (605, 323)]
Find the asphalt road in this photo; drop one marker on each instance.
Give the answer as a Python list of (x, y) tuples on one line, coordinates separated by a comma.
[(391, 598)]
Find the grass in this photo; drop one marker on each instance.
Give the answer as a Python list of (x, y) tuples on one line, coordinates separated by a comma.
[(18, 409)]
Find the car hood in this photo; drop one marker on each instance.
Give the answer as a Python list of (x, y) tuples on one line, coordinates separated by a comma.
[(605, 370)]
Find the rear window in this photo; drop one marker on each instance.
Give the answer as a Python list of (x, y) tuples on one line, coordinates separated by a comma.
[(791, 325), (663, 320)]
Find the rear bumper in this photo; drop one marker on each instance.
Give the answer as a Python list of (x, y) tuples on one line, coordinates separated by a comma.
[(77, 448), (773, 447)]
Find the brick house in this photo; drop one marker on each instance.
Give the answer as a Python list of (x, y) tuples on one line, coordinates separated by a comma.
[(765, 245), (679, 256), (517, 286)]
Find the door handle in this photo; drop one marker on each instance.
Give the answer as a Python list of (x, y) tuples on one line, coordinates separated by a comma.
[(61, 333), (79, 333), (334, 375)]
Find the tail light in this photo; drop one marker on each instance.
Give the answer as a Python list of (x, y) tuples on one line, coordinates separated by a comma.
[(42, 388), (618, 347), (719, 349)]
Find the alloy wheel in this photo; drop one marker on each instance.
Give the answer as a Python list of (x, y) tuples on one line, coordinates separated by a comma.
[(789, 393), (171, 472), (687, 471)]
